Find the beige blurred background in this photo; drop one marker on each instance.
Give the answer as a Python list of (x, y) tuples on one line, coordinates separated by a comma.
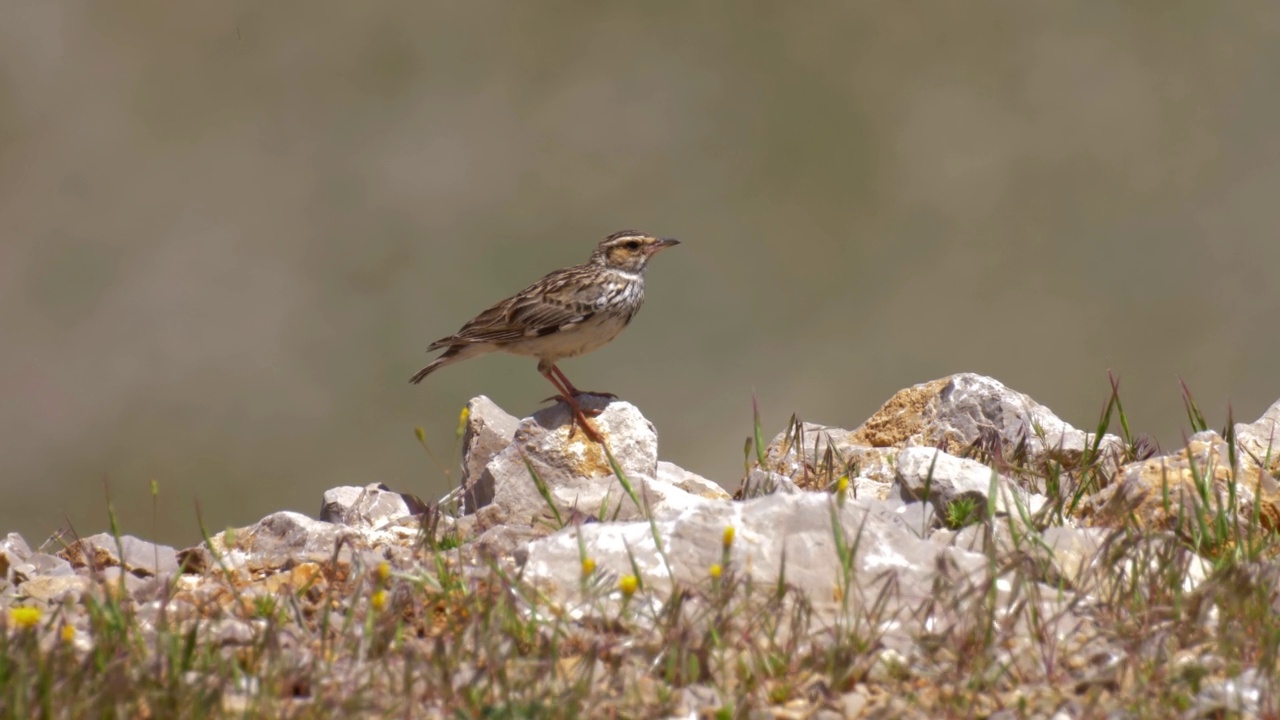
[(229, 230)]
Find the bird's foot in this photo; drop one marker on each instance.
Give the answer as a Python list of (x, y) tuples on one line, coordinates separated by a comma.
[(607, 396), (578, 418), (589, 412), (569, 395)]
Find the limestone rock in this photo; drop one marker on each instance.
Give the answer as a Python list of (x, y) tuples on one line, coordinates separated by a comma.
[(798, 526), (966, 410), (1259, 442), (505, 543), (373, 506), (285, 539), (690, 482), (891, 566), (490, 429), (139, 557), (920, 518), (42, 565), (576, 470), (54, 588), (761, 482), (13, 551), (1175, 492), (115, 578), (815, 456), (942, 479), (953, 413), (15, 548)]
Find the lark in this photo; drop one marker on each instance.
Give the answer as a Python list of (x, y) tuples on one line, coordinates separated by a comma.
[(568, 313)]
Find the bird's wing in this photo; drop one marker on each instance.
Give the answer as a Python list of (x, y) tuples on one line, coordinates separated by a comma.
[(555, 302)]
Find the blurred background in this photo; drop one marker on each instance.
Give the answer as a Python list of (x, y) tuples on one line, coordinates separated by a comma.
[(229, 230)]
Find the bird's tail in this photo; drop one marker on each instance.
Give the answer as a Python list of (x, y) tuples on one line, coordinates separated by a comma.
[(451, 355), (430, 368)]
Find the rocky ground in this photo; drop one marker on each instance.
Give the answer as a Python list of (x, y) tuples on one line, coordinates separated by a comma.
[(963, 553)]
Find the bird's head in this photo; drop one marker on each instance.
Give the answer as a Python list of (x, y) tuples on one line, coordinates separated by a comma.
[(629, 250)]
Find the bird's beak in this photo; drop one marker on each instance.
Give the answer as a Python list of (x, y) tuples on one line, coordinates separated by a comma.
[(661, 245)]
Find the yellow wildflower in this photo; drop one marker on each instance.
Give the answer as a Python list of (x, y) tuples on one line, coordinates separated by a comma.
[(25, 617), (628, 585)]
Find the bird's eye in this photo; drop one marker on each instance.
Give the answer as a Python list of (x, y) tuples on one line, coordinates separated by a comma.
[(632, 245)]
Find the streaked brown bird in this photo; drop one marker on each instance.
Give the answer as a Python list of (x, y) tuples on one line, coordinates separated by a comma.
[(565, 314)]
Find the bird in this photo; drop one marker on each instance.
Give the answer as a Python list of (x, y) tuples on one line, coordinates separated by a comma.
[(569, 312)]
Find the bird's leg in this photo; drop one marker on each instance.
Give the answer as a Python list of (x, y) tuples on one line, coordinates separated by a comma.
[(563, 384), (575, 391), (578, 417)]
